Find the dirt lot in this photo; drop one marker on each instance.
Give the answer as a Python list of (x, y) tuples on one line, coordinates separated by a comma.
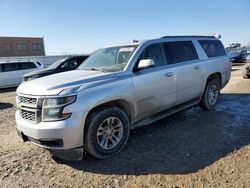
[(192, 148)]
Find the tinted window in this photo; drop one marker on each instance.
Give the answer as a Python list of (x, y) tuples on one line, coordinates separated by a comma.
[(70, 64), (177, 52), (213, 48), (154, 52), (80, 60), (7, 67), (28, 65)]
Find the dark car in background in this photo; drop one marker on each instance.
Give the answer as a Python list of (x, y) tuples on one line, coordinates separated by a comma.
[(63, 65), (242, 57), (238, 55)]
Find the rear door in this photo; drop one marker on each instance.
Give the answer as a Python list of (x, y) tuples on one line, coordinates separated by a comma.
[(2, 78), (183, 57), (28, 67), (155, 87), (13, 73)]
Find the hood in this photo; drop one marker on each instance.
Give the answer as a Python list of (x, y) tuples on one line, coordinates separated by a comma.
[(54, 84), (43, 72)]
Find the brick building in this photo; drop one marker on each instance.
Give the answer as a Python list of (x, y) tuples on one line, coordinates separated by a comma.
[(21, 46)]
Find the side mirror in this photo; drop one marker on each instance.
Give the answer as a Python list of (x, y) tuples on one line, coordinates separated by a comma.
[(146, 63)]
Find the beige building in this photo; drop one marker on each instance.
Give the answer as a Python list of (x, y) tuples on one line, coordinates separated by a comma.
[(21, 46)]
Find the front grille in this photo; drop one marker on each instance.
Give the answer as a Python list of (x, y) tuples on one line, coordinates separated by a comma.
[(28, 115), (27, 100), (30, 107)]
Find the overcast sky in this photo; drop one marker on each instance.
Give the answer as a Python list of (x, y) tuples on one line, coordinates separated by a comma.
[(82, 26)]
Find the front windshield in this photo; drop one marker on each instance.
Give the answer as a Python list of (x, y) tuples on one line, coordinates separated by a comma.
[(56, 64), (111, 59)]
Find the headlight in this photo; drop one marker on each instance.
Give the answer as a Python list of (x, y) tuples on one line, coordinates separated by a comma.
[(25, 79), (53, 108)]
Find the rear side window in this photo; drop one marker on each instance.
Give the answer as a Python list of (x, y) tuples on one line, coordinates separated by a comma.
[(28, 65), (213, 48), (180, 51), (80, 60), (70, 64), (7, 67)]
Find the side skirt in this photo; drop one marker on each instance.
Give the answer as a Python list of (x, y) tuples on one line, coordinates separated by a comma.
[(165, 113)]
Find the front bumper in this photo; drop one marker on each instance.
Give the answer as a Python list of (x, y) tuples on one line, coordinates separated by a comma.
[(57, 135)]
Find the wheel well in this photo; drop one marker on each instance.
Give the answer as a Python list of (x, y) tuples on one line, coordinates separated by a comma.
[(213, 76), (116, 103)]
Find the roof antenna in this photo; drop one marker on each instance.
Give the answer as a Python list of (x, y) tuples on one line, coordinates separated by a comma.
[(216, 35)]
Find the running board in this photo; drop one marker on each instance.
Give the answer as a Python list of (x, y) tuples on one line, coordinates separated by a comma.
[(165, 113)]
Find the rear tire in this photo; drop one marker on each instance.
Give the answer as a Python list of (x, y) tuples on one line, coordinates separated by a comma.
[(245, 72), (211, 95), (106, 132), (245, 76)]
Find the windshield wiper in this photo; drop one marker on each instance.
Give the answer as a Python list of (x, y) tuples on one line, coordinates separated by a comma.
[(94, 69), (91, 69), (110, 70)]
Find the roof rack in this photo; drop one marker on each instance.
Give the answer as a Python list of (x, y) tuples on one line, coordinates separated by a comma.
[(203, 36)]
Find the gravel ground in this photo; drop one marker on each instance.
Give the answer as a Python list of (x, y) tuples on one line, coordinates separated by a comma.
[(192, 148)]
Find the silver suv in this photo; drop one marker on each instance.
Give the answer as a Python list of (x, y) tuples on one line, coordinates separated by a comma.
[(119, 88)]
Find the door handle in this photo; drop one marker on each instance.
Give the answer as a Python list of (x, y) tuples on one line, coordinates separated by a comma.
[(169, 74), (197, 67)]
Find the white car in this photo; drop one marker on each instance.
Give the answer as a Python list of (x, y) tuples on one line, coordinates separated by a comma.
[(11, 72)]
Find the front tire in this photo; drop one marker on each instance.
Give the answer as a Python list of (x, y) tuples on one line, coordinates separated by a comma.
[(106, 132), (211, 95)]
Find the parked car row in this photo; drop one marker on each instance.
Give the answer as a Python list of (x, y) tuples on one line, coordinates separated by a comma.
[(12, 73), (118, 88)]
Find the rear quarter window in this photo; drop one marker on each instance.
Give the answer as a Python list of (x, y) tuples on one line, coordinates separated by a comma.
[(180, 51), (28, 65), (213, 48)]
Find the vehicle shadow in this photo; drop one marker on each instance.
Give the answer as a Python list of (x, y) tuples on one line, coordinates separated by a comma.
[(235, 69), (5, 105), (3, 90), (238, 64), (179, 144)]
